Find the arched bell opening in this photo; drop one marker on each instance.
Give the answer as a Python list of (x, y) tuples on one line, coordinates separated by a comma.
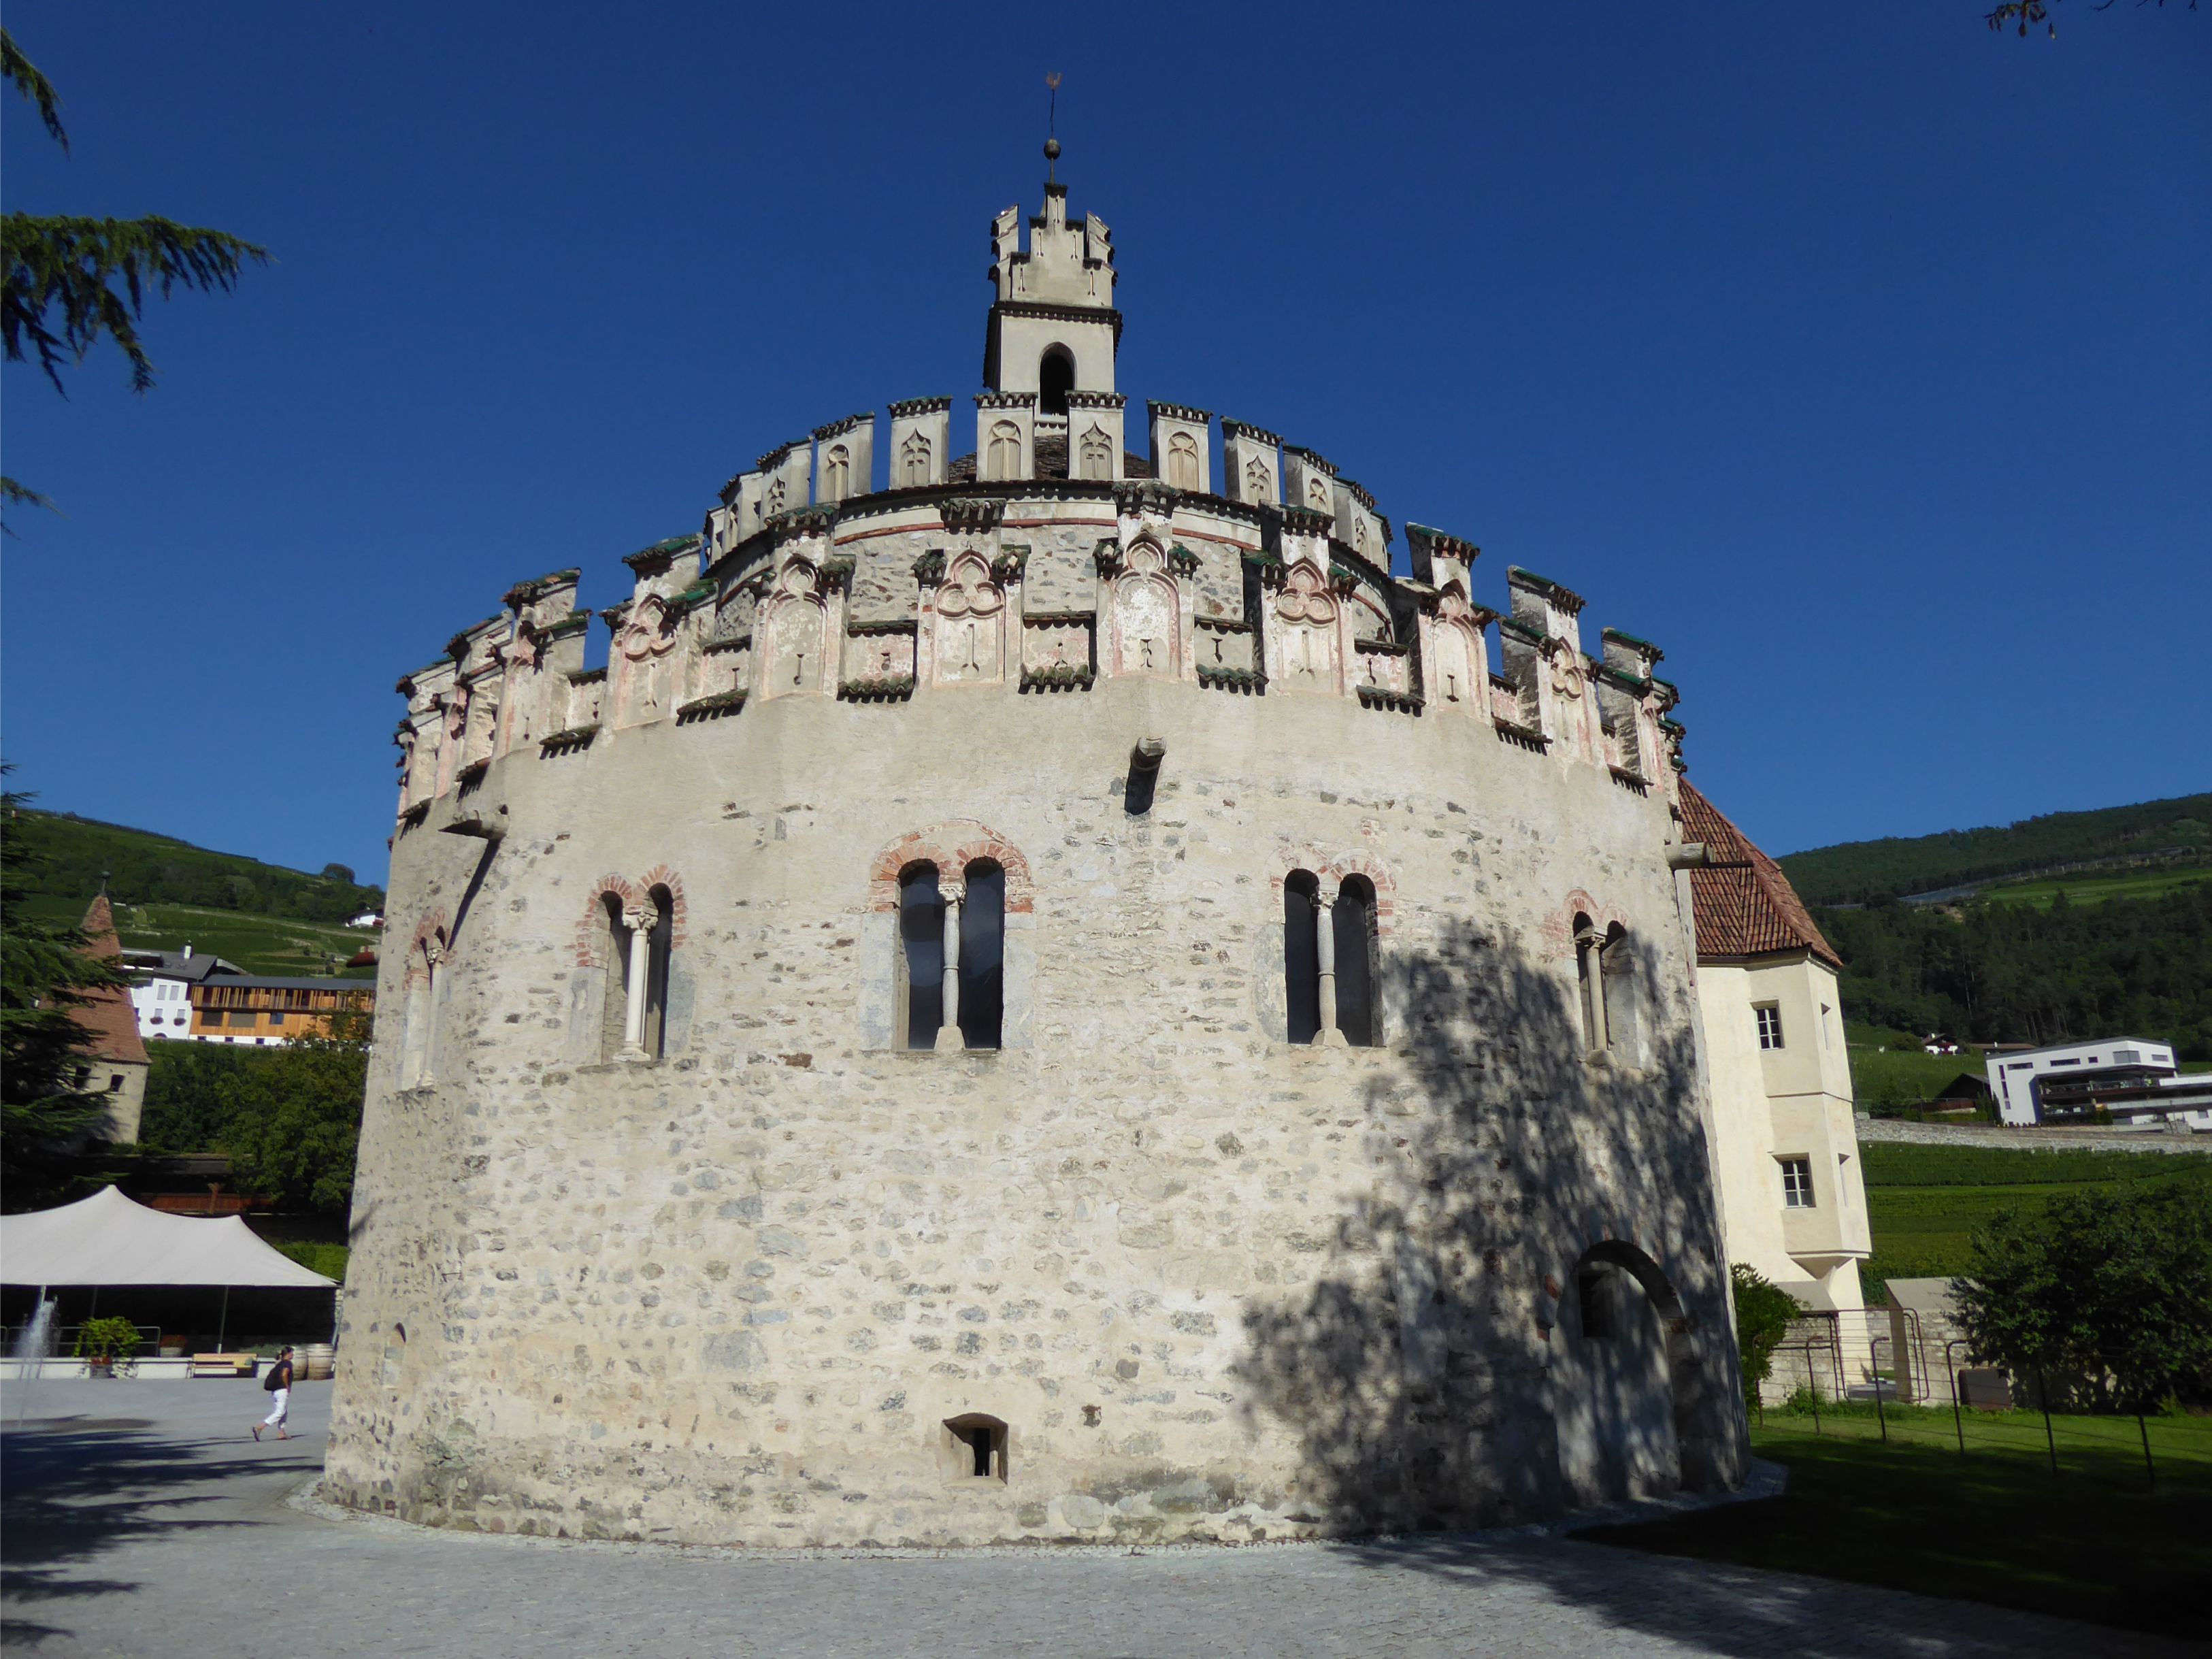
[(1055, 379)]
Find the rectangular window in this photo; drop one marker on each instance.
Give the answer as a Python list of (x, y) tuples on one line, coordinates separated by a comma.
[(1796, 1184), (241, 1017), (1770, 1023), (276, 1016)]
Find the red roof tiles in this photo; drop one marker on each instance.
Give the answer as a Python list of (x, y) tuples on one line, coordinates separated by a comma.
[(107, 1014), (1743, 904)]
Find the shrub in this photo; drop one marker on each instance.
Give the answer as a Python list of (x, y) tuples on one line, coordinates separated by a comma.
[(113, 1338), (1763, 1313)]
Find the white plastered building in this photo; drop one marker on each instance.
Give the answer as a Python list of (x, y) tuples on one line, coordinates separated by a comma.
[(1792, 1189)]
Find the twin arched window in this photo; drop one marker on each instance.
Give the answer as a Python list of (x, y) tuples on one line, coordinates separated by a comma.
[(634, 1021), (1329, 962), (953, 939)]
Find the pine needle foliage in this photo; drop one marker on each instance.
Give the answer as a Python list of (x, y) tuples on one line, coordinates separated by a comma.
[(71, 280), (23, 74), (45, 973)]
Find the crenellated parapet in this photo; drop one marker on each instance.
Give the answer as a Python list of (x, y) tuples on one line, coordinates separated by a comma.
[(1036, 588)]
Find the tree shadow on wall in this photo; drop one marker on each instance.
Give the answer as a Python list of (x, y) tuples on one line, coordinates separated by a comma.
[(1435, 1368)]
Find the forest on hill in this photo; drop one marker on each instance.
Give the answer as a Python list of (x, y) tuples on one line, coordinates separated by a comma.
[(70, 854), (1871, 872), (1991, 972)]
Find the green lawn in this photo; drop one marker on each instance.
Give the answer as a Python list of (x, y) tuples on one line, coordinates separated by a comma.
[(2098, 1541), (328, 1259), (270, 945), (2090, 888), (1885, 1077)]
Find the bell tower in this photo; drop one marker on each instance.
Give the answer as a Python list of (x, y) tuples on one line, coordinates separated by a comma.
[(1053, 328)]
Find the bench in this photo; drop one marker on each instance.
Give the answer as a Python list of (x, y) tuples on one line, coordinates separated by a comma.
[(223, 1364)]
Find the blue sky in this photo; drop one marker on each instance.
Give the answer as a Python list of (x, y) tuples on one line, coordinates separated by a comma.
[(1860, 357)]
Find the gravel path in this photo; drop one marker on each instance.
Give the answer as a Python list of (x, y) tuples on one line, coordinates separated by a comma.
[(142, 1519)]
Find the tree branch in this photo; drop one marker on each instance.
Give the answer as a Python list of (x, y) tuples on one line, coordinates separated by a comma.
[(24, 76), (71, 280)]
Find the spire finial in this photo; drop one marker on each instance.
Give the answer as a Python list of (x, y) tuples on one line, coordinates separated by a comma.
[(1051, 129)]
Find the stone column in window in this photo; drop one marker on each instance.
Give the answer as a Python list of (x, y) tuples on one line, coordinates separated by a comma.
[(434, 964), (1325, 950), (640, 923), (1590, 954), (952, 891)]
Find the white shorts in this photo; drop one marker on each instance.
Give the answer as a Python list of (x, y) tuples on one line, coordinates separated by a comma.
[(280, 1401)]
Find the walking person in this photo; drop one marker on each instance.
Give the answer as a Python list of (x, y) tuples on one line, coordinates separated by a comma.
[(278, 1383)]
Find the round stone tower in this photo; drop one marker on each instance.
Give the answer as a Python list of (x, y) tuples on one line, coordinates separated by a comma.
[(1040, 994)]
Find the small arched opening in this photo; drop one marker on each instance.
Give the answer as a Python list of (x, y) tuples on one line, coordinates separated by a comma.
[(615, 948), (1055, 379), (975, 1448), (1301, 956), (1357, 1015), (660, 939), (982, 954), (921, 955), (1621, 1322)]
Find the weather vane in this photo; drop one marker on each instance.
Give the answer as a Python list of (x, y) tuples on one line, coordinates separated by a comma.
[(1052, 129)]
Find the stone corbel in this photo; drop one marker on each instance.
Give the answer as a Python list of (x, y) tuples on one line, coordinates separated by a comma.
[(970, 515)]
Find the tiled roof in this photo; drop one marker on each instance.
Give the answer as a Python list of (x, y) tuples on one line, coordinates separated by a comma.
[(1743, 904), (105, 1014)]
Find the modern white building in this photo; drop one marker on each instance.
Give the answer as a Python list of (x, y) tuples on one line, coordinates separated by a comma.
[(161, 984), (2132, 1079)]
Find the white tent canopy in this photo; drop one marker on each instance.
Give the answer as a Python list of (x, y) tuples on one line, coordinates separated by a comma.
[(108, 1239)]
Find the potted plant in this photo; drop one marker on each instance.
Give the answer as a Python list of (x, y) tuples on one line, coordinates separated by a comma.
[(101, 1342)]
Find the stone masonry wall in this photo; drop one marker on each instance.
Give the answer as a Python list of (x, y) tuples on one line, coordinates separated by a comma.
[(1214, 1285)]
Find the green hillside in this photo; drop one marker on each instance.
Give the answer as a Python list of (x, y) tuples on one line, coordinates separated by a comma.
[(1991, 970), (2149, 836), (70, 854), (167, 893)]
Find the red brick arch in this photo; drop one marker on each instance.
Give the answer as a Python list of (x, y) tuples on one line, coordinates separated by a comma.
[(1329, 870), (590, 927), (951, 845), (433, 929), (1559, 926)]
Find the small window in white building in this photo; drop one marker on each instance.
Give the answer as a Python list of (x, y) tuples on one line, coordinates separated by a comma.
[(1796, 1184), (1770, 1023)]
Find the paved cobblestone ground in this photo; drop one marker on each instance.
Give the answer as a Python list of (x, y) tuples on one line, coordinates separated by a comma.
[(142, 1519)]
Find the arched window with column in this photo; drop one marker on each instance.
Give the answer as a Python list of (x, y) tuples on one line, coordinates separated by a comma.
[(1302, 955), (1358, 1014), (921, 955), (947, 948), (982, 943)]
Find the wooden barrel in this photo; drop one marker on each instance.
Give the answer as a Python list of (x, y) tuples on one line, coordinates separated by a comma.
[(312, 1362)]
